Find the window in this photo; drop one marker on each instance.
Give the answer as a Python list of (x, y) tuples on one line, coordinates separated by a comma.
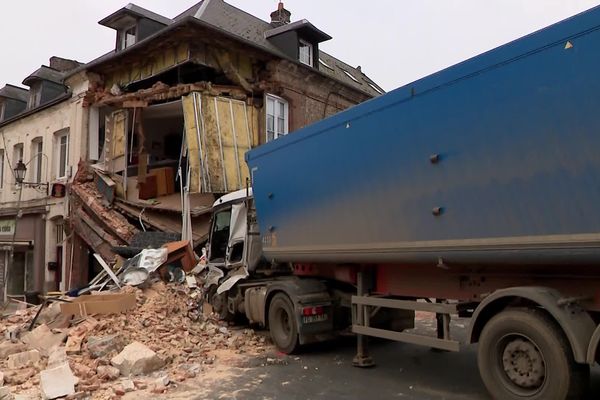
[(1, 168), (35, 95), (62, 154), (36, 160), (127, 38), (305, 53), (277, 117)]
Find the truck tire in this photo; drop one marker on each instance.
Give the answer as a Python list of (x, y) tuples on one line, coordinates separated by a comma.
[(282, 324), (523, 354)]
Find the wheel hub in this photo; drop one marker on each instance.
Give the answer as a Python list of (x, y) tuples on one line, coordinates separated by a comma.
[(524, 364)]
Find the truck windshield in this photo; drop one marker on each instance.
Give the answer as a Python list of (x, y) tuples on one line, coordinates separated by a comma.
[(220, 236)]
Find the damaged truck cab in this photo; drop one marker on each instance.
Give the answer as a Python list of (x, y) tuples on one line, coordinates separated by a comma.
[(296, 310)]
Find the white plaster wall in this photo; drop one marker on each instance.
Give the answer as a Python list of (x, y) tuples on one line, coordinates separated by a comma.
[(45, 123)]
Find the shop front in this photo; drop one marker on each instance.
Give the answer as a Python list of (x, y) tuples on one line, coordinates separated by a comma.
[(23, 273)]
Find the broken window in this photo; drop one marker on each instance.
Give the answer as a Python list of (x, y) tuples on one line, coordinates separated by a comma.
[(219, 239), (305, 52), (62, 153), (277, 117)]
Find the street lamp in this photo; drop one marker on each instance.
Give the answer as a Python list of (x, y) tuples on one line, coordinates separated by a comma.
[(20, 170)]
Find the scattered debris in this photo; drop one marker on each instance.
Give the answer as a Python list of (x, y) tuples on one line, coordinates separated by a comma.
[(164, 335)]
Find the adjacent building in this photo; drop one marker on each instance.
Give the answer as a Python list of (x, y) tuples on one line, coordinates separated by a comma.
[(35, 129)]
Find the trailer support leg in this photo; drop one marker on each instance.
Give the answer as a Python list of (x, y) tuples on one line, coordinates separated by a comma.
[(443, 325), (362, 358)]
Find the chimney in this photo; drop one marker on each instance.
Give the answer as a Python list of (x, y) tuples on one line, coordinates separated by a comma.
[(280, 17), (63, 64)]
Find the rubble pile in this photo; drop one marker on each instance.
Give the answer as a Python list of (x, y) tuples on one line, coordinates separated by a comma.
[(163, 341)]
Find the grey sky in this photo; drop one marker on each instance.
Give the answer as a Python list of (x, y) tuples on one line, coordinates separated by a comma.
[(395, 41)]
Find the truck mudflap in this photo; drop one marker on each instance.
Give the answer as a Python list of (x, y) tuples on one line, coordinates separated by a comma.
[(315, 320), (313, 307)]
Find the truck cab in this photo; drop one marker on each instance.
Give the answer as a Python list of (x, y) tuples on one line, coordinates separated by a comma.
[(242, 283)]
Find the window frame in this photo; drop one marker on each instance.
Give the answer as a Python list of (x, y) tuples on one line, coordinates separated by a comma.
[(2, 154), (304, 44), (37, 154), (286, 119), (123, 34), (57, 153)]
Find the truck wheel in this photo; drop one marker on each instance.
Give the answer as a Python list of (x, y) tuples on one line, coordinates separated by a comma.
[(523, 354), (282, 323)]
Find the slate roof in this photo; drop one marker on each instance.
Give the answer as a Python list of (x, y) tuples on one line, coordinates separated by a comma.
[(15, 93), (45, 73), (135, 10), (240, 23)]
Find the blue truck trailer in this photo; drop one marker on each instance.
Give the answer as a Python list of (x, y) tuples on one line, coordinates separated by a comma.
[(473, 192)]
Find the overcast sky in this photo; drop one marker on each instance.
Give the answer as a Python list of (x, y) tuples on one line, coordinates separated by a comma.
[(394, 41)]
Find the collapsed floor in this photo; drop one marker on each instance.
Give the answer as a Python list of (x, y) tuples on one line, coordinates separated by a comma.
[(163, 341)]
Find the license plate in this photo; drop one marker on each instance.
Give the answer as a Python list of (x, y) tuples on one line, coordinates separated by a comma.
[(314, 318)]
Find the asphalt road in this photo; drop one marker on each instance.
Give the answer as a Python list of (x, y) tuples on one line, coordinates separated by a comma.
[(403, 371)]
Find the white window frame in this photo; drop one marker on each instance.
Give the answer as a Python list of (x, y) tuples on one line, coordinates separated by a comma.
[(277, 102), (37, 155), (303, 44), (124, 36), (1, 168), (59, 135)]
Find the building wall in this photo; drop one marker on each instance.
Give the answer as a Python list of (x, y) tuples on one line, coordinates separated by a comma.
[(49, 212)]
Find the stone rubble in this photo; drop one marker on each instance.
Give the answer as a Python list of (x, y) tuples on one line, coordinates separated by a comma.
[(24, 359), (57, 382), (165, 341)]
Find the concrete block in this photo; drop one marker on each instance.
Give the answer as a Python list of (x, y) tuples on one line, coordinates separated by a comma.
[(24, 359), (8, 348), (57, 382), (57, 356), (42, 339), (136, 359), (5, 393), (101, 346), (107, 372)]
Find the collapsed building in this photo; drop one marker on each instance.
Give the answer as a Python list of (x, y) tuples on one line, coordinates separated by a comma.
[(174, 108), (164, 120)]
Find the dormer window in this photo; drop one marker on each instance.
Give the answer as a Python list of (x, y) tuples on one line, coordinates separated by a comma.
[(127, 38), (134, 24), (305, 52)]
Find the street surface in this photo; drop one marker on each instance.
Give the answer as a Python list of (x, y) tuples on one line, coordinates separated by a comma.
[(403, 371)]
